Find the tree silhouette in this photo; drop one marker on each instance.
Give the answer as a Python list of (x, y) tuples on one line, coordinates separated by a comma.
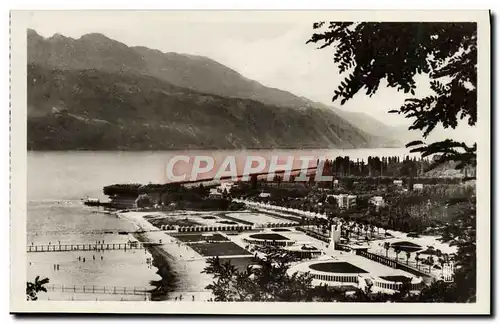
[(267, 281), (368, 53), (397, 250), (387, 246), (33, 288)]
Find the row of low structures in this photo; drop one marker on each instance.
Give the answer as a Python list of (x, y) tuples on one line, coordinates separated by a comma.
[(281, 208)]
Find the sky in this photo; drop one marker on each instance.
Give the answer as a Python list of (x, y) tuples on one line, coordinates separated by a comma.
[(273, 53)]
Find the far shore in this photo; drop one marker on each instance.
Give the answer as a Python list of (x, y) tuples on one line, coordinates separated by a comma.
[(216, 149)]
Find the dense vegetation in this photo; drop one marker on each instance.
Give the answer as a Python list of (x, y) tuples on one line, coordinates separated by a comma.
[(35, 287), (368, 53)]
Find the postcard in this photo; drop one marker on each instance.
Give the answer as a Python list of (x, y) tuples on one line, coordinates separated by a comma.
[(250, 162)]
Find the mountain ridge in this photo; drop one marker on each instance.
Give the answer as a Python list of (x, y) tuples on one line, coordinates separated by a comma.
[(99, 53)]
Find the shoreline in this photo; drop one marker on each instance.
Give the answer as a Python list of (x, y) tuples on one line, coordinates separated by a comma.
[(218, 149), (168, 282), (180, 274)]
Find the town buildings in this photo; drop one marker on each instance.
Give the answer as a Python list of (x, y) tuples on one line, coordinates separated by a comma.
[(377, 201), (344, 200)]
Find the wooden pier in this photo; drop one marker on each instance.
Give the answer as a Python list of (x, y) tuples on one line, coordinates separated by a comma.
[(110, 290), (86, 247)]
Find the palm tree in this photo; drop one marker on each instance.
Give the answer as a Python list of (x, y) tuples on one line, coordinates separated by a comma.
[(387, 246), (397, 250), (408, 254), (431, 262), (372, 229), (442, 262), (33, 288), (417, 258)]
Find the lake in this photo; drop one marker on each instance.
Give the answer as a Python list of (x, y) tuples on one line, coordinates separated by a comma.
[(73, 175)]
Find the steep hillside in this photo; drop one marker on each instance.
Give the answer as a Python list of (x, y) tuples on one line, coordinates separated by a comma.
[(96, 51), (379, 132), (93, 109)]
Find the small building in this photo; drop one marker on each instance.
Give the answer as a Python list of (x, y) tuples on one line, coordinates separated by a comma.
[(418, 186), (377, 201), (398, 183), (344, 200), (214, 194), (264, 195), (123, 201), (304, 251), (225, 187)]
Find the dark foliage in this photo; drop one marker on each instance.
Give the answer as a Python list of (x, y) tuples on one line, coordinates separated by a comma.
[(33, 288), (369, 53)]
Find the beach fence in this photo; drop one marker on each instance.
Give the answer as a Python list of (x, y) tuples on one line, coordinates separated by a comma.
[(84, 247), (110, 290)]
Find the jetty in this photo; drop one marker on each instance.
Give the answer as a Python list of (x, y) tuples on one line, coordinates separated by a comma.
[(88, 247), (111, 290)]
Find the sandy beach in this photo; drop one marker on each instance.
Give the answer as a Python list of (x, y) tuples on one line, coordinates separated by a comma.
[(185, 263)]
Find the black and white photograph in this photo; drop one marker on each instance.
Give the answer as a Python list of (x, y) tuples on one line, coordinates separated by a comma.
[(250, 162)]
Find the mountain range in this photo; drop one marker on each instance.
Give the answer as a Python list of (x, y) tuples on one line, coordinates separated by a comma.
[(95, 93)]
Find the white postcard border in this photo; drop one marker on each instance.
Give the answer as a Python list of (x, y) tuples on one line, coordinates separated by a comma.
[(19, 21)]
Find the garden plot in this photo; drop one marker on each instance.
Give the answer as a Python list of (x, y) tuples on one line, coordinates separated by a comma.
[(258, 219), (218, 249), (212, 221), (190, 220), (163, 220)]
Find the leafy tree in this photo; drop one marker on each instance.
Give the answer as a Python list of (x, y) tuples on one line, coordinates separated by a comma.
[(33, 288), (267, 281), (368, 53)]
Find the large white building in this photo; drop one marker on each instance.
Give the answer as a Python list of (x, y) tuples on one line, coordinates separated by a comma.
[(344, 200)]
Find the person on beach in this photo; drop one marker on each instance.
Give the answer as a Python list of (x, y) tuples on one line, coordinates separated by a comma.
[(57, 267), (180, 297), (101, 257), (83, 259), (193, 297), (93, 257)]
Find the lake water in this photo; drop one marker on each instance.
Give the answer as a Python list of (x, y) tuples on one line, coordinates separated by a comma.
[(58, 180)]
